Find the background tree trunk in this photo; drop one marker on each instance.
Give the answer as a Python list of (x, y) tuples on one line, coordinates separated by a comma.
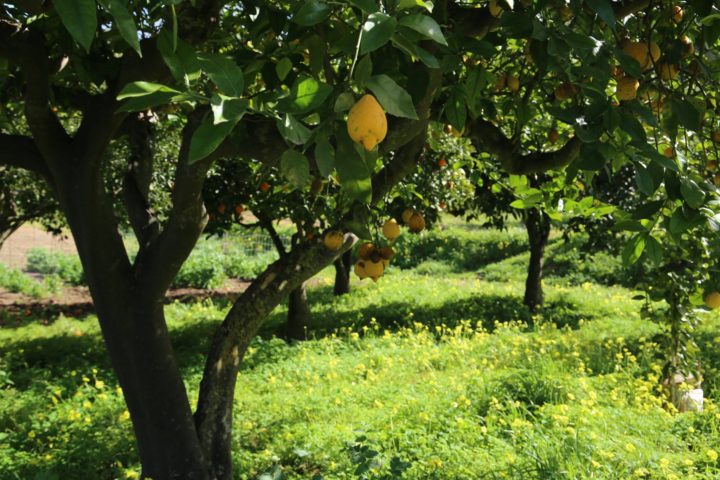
[(299, 315), (537, 224), (343, 267)]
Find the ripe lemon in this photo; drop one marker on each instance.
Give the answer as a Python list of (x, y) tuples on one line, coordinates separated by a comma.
[(667, 71), (501, 82), (333, 241), (406, 214), (565, 91), (386, 254), (366, 122), (359, 269), (687, 45), (677, 13), (495, 9), (627, 88), (416, 223), (391, 229), (669, 152), (513, 83), (644, 53), (712, 300), (553, 136), (374, 270), (366, 249)]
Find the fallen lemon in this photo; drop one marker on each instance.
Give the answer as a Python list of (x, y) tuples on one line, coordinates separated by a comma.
[(366, 122)]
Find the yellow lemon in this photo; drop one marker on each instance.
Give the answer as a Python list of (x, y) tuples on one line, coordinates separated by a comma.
[(374, 270), (360, 269), (416, 223), (667, 71), (391, 229), (627, 88), (366, 122), (712, 300), (333, 241)]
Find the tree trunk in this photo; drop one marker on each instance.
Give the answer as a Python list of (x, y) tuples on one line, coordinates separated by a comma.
[(299, 315), (537, 224), (213, 417), (133, 326), (343, 266)]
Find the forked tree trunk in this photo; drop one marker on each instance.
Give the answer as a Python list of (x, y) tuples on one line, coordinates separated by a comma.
[(299, 315), (537, 224), (343, 266)]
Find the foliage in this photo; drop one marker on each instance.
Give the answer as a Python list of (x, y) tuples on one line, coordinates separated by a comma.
[(49, 262), (16, 281)]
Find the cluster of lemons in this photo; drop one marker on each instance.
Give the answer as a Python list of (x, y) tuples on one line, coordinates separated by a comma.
[(373, 260), (367, 125)]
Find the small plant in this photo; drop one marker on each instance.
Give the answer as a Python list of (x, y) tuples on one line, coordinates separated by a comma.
[(48, 262), (17, 282)]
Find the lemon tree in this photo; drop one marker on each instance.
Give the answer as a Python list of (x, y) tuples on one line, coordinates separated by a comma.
[(537, 86)]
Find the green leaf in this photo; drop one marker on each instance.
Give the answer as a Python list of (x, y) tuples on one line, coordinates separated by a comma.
[(305, 95), (425, 26), (138, 104), (363, 71), (408, 4), (344, 102), (181, 60), (376, 31), (283, 67), (630, 125), (207, 138), (654, 250), (140, 89), (367, 6), (124, 22), (687, 114), (324, 157), (634, 249), (311, 13), (79, 18), (604, 10), (645, 180), (227, 109), (691, 192), (295, 167), (455, 109), (293, 131), (224, 73), (354, 173), (393, 98)]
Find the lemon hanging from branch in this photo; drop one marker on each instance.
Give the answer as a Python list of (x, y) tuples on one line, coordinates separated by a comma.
[(366, 122)]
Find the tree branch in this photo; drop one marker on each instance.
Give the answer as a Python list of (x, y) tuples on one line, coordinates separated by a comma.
[(213, 417), (136, 182), (21, 152), (156, 266), (487, 137)]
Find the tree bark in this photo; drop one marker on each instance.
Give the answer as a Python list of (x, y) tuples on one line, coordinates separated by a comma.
[(213, 417), (537, 224), (343, 266), (299, 315), (133, 327)]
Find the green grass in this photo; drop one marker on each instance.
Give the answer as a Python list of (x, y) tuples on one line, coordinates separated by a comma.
[(424, 375)]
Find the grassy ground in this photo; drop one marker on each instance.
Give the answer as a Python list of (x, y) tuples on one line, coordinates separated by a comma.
[(432, 373)]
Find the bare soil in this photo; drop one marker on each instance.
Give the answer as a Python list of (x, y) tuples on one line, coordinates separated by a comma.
[(75, 301)]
